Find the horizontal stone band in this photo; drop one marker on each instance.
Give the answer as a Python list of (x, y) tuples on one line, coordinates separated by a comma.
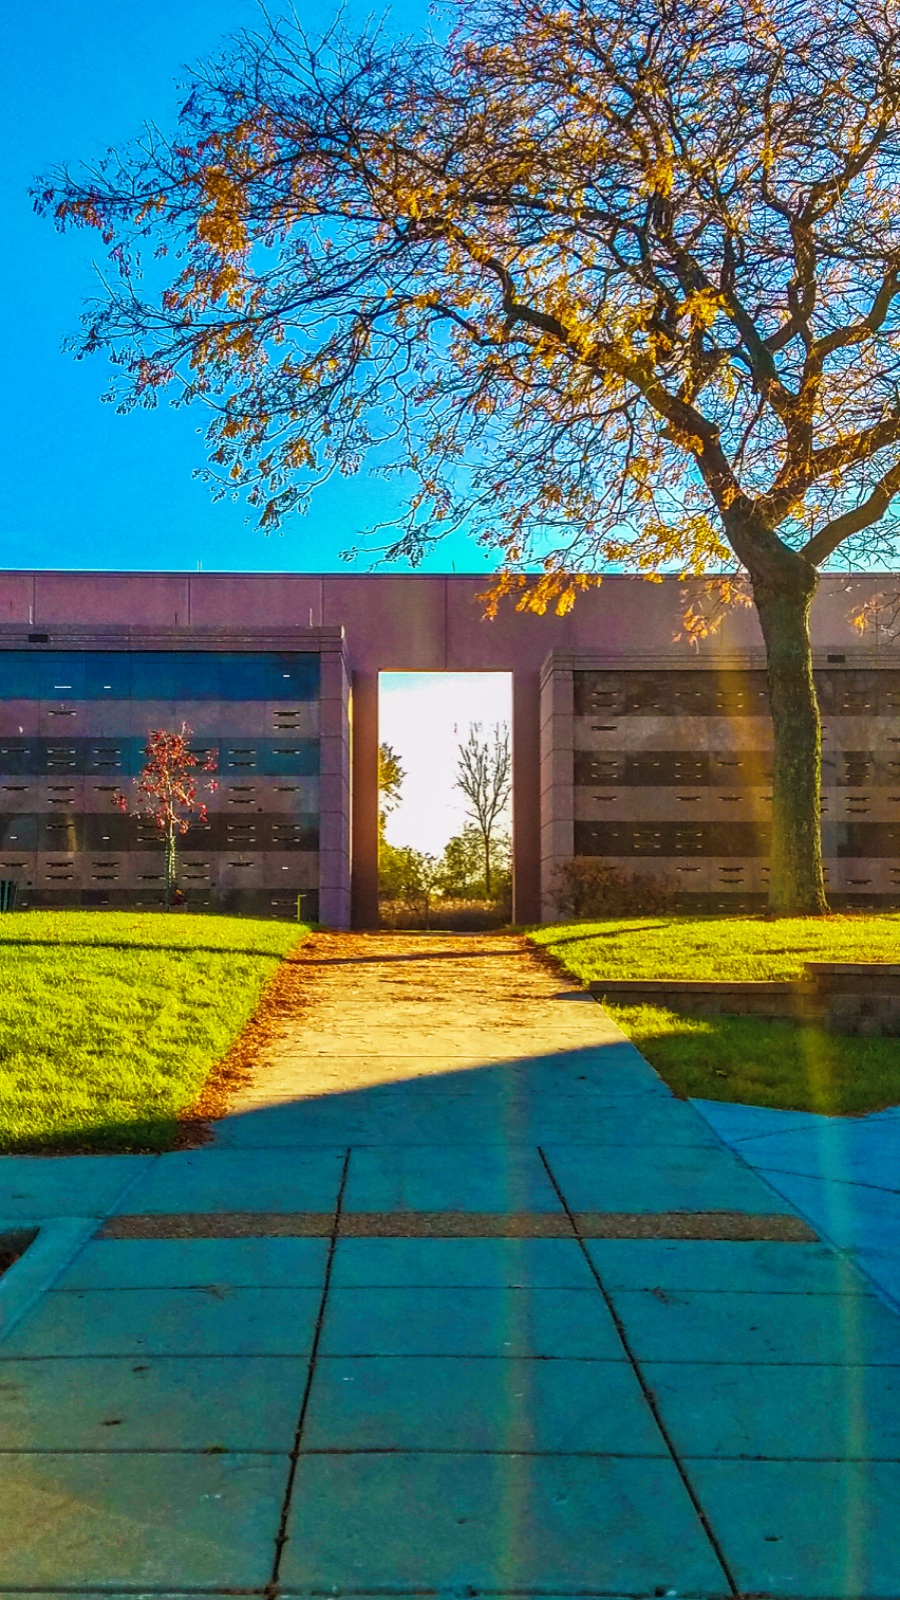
[(728, 1225)]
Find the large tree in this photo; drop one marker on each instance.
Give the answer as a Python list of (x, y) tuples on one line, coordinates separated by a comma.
[(612, 281)]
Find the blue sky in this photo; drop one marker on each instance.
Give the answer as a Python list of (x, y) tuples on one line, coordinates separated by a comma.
[(84, 487)]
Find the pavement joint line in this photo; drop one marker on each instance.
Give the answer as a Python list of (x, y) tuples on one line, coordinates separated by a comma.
[(828, 1177), (650, 1398), (425, 1450), (846, 1252), (281, 1537), (455, 1355), (420, 1450), (729, 1226)]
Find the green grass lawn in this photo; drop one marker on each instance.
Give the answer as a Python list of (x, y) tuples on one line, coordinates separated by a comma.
[(110, 1021), (789, 1065)]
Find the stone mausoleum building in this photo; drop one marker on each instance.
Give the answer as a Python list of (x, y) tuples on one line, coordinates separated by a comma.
[(629, 743)]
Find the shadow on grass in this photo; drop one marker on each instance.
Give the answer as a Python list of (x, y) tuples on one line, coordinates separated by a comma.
[(142, 1136), (137, 944), (777, 1063), (617, 932)]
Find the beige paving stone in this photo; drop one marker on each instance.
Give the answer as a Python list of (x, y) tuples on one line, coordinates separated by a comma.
[(392, 1007)]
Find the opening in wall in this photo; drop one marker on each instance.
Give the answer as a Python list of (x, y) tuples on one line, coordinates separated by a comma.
[(445, 787)]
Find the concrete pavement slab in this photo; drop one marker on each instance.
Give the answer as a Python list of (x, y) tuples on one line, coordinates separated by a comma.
[(327, 1108), (522, 1523), (476, 1404), (461, 1120), (610, 1124), (633, 1178), (469, 1322), (404, 1039), (34, 1187), (54, 1243), (747, 1266), (865, 1222), (608, 1068), (883, 1267), (162, 1521), (849, 1214), (841, 1152), (474, 1420), (463, 1263), (781, 1413), (839, 1172), (304, 1123), (432, 1178), (197, 1263), (346, 1068), (816, 1528), (158, 1403), (734, 1123), (143, 1322), (615, 1120), (804, 1329), (238, 1180)]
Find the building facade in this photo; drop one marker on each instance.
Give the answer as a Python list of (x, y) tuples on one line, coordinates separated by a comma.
[(269, 717), (629, 743), (665, 768)]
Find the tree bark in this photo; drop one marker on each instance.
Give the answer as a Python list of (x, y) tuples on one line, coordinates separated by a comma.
[(783, 600), (170, 866)]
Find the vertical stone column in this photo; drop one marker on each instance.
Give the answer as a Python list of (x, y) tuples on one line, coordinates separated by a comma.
[(364, 849), (557, 785), (334, 787), (526, 734)]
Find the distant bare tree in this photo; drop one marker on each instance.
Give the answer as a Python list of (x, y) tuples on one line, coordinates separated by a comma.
[(484, 774)]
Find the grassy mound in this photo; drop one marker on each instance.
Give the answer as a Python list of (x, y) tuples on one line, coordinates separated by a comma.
[(788, 1065), (110, 1021), (735, 948)]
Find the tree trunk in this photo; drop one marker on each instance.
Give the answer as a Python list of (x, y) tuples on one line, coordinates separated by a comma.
[(170, 866), (487, 866), (796, 882)]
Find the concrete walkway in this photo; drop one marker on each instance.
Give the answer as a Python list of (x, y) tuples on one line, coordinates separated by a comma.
[(460, 1301), (842, 1173)]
